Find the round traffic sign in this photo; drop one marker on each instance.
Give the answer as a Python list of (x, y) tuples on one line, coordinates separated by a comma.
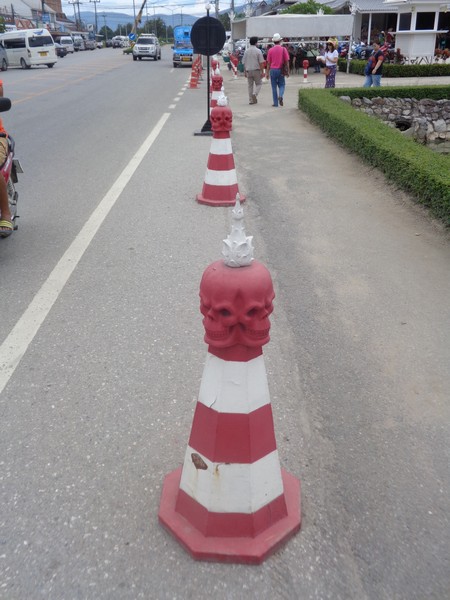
[(207, 36)]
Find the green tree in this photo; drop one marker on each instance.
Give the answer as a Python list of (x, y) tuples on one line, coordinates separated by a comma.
[(310, 7), (107, 33), (123, 29), (2, 25), (225, 20)]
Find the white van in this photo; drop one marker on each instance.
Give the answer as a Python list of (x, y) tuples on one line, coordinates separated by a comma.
[(67, 42), (29, 47)]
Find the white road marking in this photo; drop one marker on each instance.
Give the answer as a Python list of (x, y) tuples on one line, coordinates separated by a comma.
[(172, 106), (16, 344)]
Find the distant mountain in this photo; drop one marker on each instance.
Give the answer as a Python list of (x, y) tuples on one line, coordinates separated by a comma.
[(113, 19)]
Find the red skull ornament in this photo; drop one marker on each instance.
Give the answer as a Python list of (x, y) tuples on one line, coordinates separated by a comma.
[(216, 83), (221, 119), (236, 304)]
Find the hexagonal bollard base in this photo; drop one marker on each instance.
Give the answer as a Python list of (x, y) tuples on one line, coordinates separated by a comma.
[(246, 550)]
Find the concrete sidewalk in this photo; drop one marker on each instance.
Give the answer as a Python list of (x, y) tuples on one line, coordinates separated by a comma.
[(358, 358)]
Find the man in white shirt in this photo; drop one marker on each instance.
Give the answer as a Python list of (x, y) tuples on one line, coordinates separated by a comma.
[(253, 62)]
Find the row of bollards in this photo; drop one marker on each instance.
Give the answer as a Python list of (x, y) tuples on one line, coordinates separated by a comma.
[(231, 501)]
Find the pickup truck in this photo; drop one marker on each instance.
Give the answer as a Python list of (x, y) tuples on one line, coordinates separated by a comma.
[(182, 48)]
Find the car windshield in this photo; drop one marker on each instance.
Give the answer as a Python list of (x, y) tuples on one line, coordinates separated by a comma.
[(146, 40), (65, 42), (41, 40), (183, 45)]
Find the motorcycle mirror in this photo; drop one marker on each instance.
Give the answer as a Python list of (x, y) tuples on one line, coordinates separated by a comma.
[(5, 104)]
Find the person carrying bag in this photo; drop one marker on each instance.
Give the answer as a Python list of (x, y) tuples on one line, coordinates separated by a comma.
[(330, 58), (278, 67)]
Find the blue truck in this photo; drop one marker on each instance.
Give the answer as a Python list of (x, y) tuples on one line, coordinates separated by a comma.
[(182, 47)]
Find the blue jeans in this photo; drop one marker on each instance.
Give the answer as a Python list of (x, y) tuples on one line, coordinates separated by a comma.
[(374, 80), (278, 81)]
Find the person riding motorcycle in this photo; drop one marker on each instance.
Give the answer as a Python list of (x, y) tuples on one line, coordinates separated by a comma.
[(6, 225)]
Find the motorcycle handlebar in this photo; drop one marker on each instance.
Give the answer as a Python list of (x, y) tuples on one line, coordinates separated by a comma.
[(5, 104)]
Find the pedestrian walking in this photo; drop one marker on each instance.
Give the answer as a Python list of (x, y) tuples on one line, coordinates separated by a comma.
[(253, 61), (374, 67), (330, 59), (278, 67)]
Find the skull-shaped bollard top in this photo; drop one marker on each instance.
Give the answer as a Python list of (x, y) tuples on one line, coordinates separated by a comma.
[(216, 83), (221, 121), (236, 302)]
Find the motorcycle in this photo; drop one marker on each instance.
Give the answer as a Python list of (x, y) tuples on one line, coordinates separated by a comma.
[(11, 167), (362, 51)]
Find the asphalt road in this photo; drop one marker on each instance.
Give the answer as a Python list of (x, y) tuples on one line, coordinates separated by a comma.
[(102, 351)]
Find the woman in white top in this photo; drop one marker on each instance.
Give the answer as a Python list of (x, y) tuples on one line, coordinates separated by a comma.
[(330, 59)]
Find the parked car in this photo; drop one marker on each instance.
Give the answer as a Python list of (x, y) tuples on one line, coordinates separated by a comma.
[(67, 41), (78, 43), (90, 44), (147, 46), (120, 41), (4, 62), (61, 51), (109, 43)]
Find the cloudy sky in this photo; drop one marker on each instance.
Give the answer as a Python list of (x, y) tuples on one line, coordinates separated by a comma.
[(190, 7)]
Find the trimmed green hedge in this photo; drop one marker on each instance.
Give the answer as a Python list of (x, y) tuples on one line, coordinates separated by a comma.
[(414, 168), (393, 70), (433, 92)]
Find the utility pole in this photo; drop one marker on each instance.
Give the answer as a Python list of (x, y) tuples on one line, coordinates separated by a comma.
[(104, 27), (76, 3), (95, 11)]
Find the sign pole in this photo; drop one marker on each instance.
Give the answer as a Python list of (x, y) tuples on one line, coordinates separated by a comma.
[(207, 126), (207, 37)]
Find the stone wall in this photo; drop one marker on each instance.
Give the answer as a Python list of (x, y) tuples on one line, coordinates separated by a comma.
[(427, 121)]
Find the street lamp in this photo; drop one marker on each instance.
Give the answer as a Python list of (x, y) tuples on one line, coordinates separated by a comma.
[(172, 10)]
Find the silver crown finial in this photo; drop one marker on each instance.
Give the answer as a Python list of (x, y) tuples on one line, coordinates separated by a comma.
[(237, 248), (222, 100)]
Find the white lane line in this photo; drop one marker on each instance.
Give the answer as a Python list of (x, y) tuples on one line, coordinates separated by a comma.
[(171, 106), (23, 332)]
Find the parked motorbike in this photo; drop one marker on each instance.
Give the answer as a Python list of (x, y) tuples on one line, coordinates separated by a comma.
[(11, 167), (362, 51)]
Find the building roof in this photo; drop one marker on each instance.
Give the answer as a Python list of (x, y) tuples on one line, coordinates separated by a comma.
[(24, 8), (366, 6), (293, 26)]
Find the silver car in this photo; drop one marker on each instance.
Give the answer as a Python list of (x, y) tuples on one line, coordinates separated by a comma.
[(147, 46)]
